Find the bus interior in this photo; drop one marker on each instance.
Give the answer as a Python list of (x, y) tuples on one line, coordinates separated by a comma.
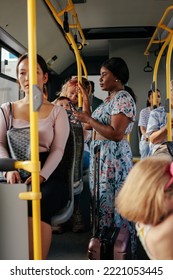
[(100, 30)]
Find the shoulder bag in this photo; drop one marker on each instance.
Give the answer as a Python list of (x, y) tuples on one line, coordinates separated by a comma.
[(18, 140)]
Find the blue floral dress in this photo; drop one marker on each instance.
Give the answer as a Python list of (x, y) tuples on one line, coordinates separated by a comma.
[(115, 159)]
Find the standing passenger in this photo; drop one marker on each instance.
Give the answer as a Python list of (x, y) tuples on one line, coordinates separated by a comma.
[(111, 122), (157, 128), (52, 119), (143, 121), (69, 92)]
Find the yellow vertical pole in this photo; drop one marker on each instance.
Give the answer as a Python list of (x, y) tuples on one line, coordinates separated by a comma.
[(168, 92), (79, 65), (31, 8), (155, 72), (84, 68)]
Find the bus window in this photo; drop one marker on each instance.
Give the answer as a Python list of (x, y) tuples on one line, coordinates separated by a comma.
[(8, 63), (9, 89)]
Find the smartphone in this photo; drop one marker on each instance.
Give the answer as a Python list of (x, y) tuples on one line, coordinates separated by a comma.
[(73, 108)]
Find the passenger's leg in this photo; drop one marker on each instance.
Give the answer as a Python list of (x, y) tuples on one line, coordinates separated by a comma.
[(46, 236), (31, 255), (144, 148), (46, 232)]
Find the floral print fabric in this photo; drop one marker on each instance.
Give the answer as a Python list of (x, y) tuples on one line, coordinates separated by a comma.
[(115, 159)]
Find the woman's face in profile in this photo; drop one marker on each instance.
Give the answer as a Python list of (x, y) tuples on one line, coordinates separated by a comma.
[(158, 99), (107, 79)]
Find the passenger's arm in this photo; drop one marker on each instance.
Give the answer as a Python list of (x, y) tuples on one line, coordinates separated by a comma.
[(61, 133), (85, 100), (155, 129), (115, 131), (11, 176), (3, 133), (159, 135), (85, 105), (119, 119), (143, 130)]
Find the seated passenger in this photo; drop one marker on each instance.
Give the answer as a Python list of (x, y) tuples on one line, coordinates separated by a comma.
[(146, 198), (51, 148), (143, 121)]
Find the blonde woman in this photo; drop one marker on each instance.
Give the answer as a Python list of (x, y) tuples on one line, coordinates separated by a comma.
[(71, 88), (146, 198)]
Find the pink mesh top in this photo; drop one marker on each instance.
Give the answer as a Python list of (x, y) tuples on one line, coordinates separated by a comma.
[(53, 134)]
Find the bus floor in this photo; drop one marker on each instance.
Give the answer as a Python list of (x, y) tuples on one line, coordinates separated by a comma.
[(69, 245), (73, 246)]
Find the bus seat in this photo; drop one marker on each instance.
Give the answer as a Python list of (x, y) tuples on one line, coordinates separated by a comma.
[(67, 164), (78, 167), (14, 222)]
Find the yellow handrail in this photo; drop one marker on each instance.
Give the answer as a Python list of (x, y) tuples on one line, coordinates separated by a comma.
[(156, 66), (70, 39), (167, 40), (162, 26), (70, 8)]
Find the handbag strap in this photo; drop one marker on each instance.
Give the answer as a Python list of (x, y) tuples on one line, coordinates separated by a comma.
[(11, 116)]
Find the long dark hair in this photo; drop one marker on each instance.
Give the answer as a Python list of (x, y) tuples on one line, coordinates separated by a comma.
[(131, 92), (150, 92)]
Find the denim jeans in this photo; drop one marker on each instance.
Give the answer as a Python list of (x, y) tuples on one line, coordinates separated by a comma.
[(144, 148)]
